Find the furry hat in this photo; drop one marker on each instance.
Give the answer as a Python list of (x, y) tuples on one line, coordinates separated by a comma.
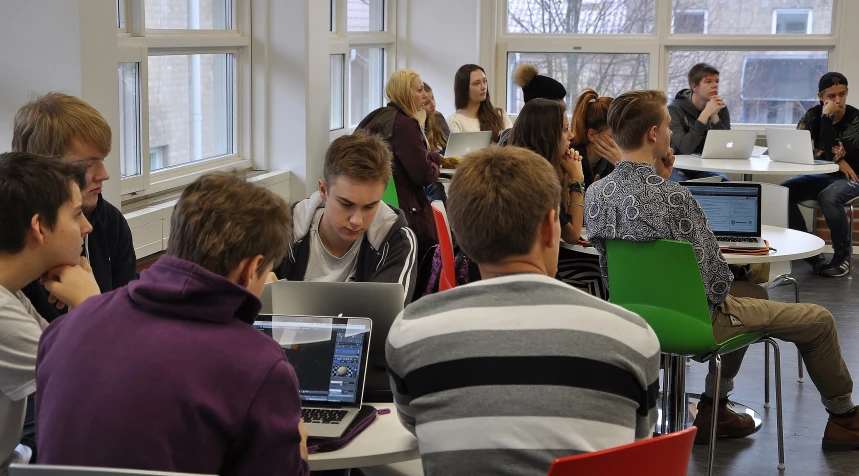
[(536, 86)]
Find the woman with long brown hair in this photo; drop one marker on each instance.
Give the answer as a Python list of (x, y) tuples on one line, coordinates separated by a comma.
[(592, 137), (436, 127), (474, 110)]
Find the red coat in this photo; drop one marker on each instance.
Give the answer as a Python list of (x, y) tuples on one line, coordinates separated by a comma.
[(414, 168)]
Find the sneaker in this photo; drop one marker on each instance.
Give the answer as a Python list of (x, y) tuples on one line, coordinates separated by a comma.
[(817, 263), (842, 432), (729, 424), (836, 270)]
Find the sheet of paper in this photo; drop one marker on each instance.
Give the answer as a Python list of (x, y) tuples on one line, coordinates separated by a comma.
[(758, 151)]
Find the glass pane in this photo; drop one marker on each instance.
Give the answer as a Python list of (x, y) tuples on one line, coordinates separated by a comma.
[(608, 74), (337, 91), (741, 17), (191, 100), (332, 26), (189, 14), (129, 119), (689, 22), (120, 14), (760, 87), (365, 15), (583, 16), (366, 82)]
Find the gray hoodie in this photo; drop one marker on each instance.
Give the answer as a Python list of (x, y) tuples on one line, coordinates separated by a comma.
[(688, 133)]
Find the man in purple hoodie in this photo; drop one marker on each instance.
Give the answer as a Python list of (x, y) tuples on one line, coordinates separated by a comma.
[(168, 373)]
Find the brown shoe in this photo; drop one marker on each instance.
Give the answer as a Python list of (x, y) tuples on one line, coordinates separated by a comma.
[(842, 432), (729, 424)]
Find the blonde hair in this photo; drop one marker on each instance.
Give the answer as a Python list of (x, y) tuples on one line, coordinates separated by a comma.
[(51, 124), (399, 90)]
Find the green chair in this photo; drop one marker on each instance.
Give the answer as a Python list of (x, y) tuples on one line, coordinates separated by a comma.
[(661, 282), (390, 195)]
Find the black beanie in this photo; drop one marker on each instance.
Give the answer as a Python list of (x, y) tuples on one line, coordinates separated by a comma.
[(536, 86)]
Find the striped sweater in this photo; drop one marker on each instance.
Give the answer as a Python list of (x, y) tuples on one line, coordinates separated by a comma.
[(504, 375)]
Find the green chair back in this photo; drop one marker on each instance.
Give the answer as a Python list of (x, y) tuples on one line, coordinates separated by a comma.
[(390, 195), (661, 282)]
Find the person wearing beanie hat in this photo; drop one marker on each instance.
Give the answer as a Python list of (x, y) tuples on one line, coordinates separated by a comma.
[(537, 86), (834, 127)]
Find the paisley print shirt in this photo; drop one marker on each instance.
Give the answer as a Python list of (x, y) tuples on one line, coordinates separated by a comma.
[(633, 203)]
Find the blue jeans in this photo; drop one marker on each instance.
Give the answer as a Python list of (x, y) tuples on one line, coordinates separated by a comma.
[(832, 191), (681, 175)]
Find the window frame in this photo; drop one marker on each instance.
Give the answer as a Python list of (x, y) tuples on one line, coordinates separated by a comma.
[(659, 45), (809, 18), (137, 44), (341, 41)]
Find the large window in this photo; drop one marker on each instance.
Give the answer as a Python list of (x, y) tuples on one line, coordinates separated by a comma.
[(180, 76), (364, 38), (770, 53)]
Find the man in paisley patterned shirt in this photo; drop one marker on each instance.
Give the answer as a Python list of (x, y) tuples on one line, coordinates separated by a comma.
[(834, 127), (637, 202)]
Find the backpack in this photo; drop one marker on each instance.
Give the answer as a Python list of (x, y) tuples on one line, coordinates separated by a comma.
[(465, 271), (380, 121)]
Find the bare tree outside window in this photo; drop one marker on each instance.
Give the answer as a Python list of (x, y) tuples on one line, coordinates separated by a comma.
[(742, 17)]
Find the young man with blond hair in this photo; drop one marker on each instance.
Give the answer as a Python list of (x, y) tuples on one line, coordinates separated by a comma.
[(65, 127), (344, 232), (168, 373), (502, 376), (637, 202), (43, 228)]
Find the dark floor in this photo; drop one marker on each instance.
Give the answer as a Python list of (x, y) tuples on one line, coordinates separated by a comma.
[(804, 416)]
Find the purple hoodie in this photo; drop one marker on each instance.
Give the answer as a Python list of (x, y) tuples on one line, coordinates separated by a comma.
[(168, 374)]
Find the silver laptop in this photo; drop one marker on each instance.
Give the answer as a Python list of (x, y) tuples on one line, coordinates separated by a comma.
[(461, 143), (329, 355), (380, 302), (721, 144), (791, 145), (733, 212)]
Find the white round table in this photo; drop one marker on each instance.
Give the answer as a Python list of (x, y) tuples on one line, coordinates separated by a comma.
[(385, 441), (789, 245), (754, 166)]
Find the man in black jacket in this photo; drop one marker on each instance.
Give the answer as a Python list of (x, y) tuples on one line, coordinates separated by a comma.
[(694, 112), (344, 232), (65, 127)]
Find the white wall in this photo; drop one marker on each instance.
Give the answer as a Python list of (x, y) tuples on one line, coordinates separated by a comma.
[(60, 45), (847, 54), (442, 35)]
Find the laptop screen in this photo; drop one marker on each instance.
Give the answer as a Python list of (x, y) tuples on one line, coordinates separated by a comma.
[(329, 355), (731, 209)]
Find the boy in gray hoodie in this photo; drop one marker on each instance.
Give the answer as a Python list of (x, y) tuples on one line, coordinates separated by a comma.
[(693, 113)]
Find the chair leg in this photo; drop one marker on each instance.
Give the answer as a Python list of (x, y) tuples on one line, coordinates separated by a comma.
[(792, 280), (715, 417), (688, 362), (666, 381), (801, 378), (766, 377), (850, 255), (778, 400)]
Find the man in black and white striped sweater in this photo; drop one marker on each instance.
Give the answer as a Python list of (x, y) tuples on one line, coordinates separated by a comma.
[(504, 375)]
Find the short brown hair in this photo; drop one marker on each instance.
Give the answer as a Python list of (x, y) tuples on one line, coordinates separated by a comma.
[(33, 185), (633, 113), (221, 219), (50, 124), (361, 156), (497, 199), (700, 71)]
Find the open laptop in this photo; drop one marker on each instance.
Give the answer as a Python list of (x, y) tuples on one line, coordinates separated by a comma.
[(381, 302), (461, 143), (329, 355), (791, 145), (728, 144), (733, 211)]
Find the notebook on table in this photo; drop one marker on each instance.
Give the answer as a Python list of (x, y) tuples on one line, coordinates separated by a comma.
[(329, 355), (733, 211)]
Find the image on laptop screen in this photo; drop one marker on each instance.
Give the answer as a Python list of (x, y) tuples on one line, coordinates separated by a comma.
[(730, 210), (328, 354)]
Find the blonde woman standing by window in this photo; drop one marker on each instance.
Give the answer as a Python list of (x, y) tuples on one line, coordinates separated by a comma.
[(474, 110)]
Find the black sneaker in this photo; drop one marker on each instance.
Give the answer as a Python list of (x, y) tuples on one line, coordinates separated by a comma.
[(836, 270), (818, 263)]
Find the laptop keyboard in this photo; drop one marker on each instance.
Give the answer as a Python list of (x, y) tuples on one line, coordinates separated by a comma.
[(737, 239), (320, 415)]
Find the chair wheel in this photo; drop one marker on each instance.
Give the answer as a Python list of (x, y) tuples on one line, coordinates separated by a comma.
[(800, 380), (766, 405), (781, 467)]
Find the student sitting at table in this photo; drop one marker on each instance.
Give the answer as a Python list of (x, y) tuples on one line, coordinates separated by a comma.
[(693, 113), (43, 231), (504, 375), (637, 202), (168, 373), (437, 132), (534, 86), (474, 109), (834, 127), (344, 232)]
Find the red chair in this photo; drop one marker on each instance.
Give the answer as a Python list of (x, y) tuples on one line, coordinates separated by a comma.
[(666, 455), (447, 278)]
